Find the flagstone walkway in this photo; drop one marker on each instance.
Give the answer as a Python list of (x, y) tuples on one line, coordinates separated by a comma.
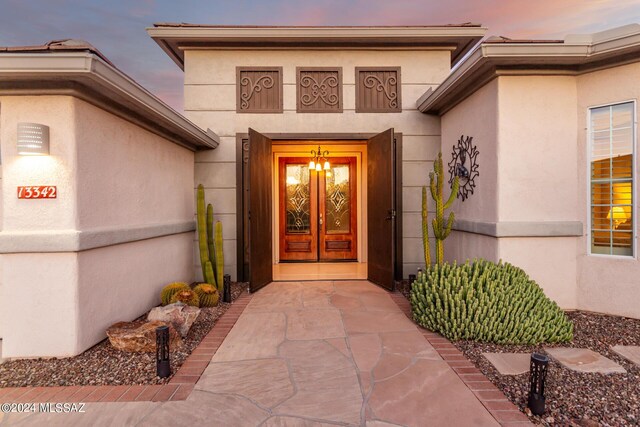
[(310, 354)]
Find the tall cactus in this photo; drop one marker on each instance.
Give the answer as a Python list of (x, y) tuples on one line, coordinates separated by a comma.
[(211, 257), (210, 241), (441, 230), (203, 241), (219, 258), (425, 229)]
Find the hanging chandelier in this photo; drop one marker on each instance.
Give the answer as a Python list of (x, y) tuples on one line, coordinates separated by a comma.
[(318, 158)]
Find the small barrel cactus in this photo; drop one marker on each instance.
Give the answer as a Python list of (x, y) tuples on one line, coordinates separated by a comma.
[(170, 290), (186, 296), (208, 295)]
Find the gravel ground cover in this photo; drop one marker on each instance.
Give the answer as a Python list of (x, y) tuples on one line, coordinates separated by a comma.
[(104, 365), (573, 398)]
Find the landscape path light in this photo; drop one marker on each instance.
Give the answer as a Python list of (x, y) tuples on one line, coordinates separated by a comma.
[(226, 291), (537, 378), (163, 364)]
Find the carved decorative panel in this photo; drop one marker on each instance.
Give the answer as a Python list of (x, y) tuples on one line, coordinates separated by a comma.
[(378, 90), (319, 90), (259, 89)]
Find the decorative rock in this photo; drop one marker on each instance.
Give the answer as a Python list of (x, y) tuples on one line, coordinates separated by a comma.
[(584, 360), (629, 352), (139, 336), (509, 363), (179, 315)]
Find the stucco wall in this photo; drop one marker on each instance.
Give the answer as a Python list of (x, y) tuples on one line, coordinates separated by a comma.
[(108, 292), (606, 284), (537, 148), (128, 176), (477, 116), (114, 179), (57, 169), (525, 130), (210, 101), (538, 176)]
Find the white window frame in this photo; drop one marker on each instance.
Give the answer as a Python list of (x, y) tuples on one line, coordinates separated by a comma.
[(634, 179)]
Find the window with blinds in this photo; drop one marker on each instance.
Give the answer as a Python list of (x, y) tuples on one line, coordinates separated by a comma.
[(612, 145)]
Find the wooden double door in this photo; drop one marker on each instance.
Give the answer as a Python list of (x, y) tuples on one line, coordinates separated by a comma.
[(317, 210), (383, 230)]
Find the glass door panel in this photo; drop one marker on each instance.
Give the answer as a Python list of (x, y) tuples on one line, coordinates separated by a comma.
[(298, 206), (317, 210), (338, 231)]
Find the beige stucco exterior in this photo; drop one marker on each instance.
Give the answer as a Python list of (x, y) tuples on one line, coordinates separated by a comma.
[(606, 284), (74, 265), (210, 100), (524, 128), (126, 170), (531, 133)]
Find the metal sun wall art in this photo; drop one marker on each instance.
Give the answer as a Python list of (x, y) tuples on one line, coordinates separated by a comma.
[(464, 165)]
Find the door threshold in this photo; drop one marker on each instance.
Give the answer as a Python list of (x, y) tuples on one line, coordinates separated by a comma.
[(320, 271)]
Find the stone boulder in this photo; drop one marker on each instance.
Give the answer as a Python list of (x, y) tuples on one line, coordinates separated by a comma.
[(178, 314), (139, 336)]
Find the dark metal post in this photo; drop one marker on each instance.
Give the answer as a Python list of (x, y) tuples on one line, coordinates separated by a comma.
[(163, 364), (537, 378), (226, 297)]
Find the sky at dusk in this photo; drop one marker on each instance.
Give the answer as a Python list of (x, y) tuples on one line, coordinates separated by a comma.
[(117, 27)]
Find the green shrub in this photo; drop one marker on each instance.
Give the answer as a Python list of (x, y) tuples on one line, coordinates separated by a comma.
[(170, 290), (487, 302)]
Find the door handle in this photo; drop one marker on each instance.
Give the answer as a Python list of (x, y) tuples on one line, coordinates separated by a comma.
[(321, 219), (391, 214)]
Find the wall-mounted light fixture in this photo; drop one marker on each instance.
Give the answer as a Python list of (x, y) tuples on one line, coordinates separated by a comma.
[(33, 139), (317, 158)]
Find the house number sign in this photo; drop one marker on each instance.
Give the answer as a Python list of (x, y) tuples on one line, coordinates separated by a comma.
[(38, 192)]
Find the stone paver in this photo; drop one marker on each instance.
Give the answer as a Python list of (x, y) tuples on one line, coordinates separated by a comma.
[(265, 381), (326, 381), (95, 414), (314, 354), (509, 363), (280, 421), (312, 324), (584, 360), (428, 393), (204, 409), (254, 336), (629, 352)]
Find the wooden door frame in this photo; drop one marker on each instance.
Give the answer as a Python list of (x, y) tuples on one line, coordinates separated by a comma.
[(242, 157)]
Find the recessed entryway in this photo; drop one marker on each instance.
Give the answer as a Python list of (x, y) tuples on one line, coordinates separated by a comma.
[(317, 211), (374, 237), (320, 271)]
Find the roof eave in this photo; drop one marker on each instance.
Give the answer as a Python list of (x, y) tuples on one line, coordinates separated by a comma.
[(489, 60), (172, 39), (25, 73)]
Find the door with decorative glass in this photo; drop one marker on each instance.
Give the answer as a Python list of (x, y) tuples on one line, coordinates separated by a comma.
[(317, 210)]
